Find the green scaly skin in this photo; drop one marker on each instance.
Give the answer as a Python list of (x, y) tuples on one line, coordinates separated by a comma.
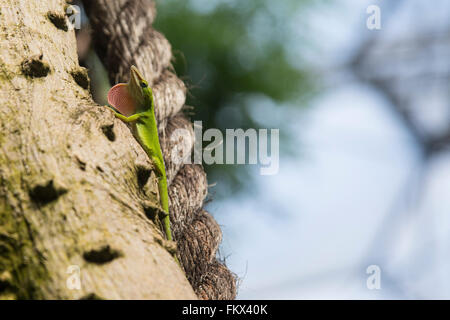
[(147, 132), (146, 129)]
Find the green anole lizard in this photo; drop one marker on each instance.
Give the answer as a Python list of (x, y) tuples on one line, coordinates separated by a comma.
[(134, 101)]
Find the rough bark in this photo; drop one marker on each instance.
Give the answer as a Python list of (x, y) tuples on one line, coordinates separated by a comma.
[(75, 187), (124, 36)]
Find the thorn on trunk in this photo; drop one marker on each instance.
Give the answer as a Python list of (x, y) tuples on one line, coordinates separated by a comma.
[(35, 67), (151, 212), (59, 20), (108, 131), (101, 255), (91, 296), (143, 174), (81, 77), (46, 192)]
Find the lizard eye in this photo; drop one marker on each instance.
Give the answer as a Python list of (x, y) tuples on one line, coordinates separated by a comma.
[(143, 84)]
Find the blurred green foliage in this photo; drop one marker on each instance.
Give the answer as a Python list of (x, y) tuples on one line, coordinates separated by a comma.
[(234, 55)]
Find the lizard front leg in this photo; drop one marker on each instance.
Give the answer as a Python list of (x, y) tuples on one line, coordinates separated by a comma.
[(132, 118)]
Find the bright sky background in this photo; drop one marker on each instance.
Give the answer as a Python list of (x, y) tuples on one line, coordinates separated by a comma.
[(312, 230)]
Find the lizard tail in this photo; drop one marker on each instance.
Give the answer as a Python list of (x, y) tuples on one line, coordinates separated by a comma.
[(164, 197)]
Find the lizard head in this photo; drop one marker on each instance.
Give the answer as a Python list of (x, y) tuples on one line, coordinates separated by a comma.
[(137, 85), (129, 98)]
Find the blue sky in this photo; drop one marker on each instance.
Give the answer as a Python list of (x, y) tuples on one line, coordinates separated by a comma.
[(312, 230), (321, 212)]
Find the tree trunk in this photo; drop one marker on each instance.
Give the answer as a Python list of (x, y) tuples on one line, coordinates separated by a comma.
[(73, 182)]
